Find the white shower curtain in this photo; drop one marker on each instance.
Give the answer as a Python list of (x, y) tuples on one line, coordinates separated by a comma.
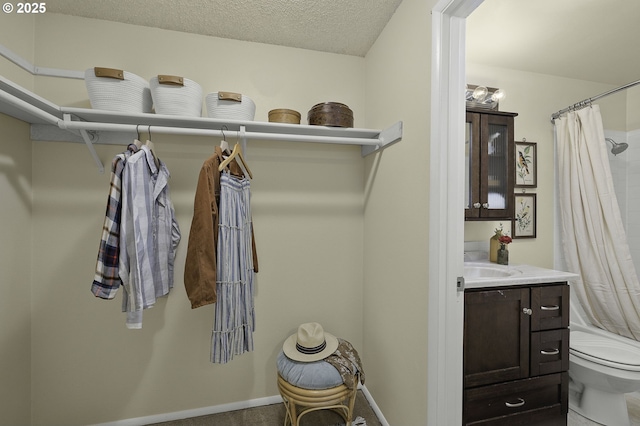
[(593, 237)]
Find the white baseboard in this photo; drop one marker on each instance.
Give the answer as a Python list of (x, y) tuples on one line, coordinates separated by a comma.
[(196, 412), (374, 406), (215, 409)]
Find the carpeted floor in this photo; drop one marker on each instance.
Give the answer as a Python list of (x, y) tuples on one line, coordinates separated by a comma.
[(273, 415)]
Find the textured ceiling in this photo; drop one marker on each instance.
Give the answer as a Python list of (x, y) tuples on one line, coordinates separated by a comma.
[(340, 26), (593, 40)]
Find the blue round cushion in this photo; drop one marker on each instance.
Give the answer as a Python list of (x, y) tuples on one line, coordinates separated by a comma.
[(308, 375)]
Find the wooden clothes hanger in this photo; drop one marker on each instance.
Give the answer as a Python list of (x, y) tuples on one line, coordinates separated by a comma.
[(237, 152)]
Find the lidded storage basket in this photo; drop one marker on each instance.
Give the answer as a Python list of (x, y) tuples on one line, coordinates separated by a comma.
[(283, 115), (175, 95), (117, 90), (230, 106), (332, 114)]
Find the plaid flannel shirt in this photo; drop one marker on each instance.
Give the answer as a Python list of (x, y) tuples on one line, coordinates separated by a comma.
[(106, 280)]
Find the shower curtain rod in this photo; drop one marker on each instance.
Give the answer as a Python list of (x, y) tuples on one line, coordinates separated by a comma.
[(588, 101)]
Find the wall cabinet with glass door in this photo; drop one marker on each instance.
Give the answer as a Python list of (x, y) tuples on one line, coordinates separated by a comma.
[(489, 156)]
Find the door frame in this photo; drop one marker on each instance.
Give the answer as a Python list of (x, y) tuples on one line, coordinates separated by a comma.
[(446, 211)]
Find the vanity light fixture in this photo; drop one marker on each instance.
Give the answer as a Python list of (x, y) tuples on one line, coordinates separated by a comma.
[(483, 97)]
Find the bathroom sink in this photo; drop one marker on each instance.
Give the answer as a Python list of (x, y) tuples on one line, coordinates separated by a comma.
[(484, 274), (486, 271)]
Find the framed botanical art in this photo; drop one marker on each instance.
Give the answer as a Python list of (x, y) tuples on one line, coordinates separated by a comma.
[(526, 165), (524, 223)]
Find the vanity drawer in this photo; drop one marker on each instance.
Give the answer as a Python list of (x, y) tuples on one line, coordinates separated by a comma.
[(549, 307), (547, 416), (503, 403), (549, 351)]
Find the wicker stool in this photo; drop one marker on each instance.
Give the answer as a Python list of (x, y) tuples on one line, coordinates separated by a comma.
[(299, 402)]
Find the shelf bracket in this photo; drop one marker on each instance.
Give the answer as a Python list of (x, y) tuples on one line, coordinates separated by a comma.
[(387, 137), (89, 137)]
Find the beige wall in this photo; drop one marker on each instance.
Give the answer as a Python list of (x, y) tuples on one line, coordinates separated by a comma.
[(535, 97), (397, 217), (15, 232), (17, 33), (273, 76), (15, 272), (307, 208)]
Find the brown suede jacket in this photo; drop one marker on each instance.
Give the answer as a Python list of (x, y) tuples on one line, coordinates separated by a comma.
[(200, 265)]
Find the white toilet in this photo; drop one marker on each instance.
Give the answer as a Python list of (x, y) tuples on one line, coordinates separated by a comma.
[(602, 367)]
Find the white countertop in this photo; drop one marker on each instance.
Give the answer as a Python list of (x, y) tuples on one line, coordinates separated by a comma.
[(481, 274)]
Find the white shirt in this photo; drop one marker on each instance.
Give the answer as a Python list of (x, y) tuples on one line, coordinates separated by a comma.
[(149, 234)]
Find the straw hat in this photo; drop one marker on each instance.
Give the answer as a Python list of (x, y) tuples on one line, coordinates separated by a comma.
[(310, 343)]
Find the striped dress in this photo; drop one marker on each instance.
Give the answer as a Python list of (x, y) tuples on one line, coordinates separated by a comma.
[(234, 320)]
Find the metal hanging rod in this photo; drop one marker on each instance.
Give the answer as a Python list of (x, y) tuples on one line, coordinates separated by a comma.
[(587, 102), (243, 133), (67, 123)]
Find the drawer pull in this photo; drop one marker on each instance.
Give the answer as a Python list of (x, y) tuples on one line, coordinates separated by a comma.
[(527, 311), (520, 403), (550, 308), (550, 352)]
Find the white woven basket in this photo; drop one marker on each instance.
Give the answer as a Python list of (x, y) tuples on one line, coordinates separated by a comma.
[(174, 95), (117, 90), (230, 106)]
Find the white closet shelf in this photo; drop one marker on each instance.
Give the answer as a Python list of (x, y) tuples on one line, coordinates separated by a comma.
[(54, 123)]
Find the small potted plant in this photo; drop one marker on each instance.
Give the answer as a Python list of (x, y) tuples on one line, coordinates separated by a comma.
[(503, 251)]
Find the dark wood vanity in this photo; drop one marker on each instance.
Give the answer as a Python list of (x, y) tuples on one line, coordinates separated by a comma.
[(516, 355)]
